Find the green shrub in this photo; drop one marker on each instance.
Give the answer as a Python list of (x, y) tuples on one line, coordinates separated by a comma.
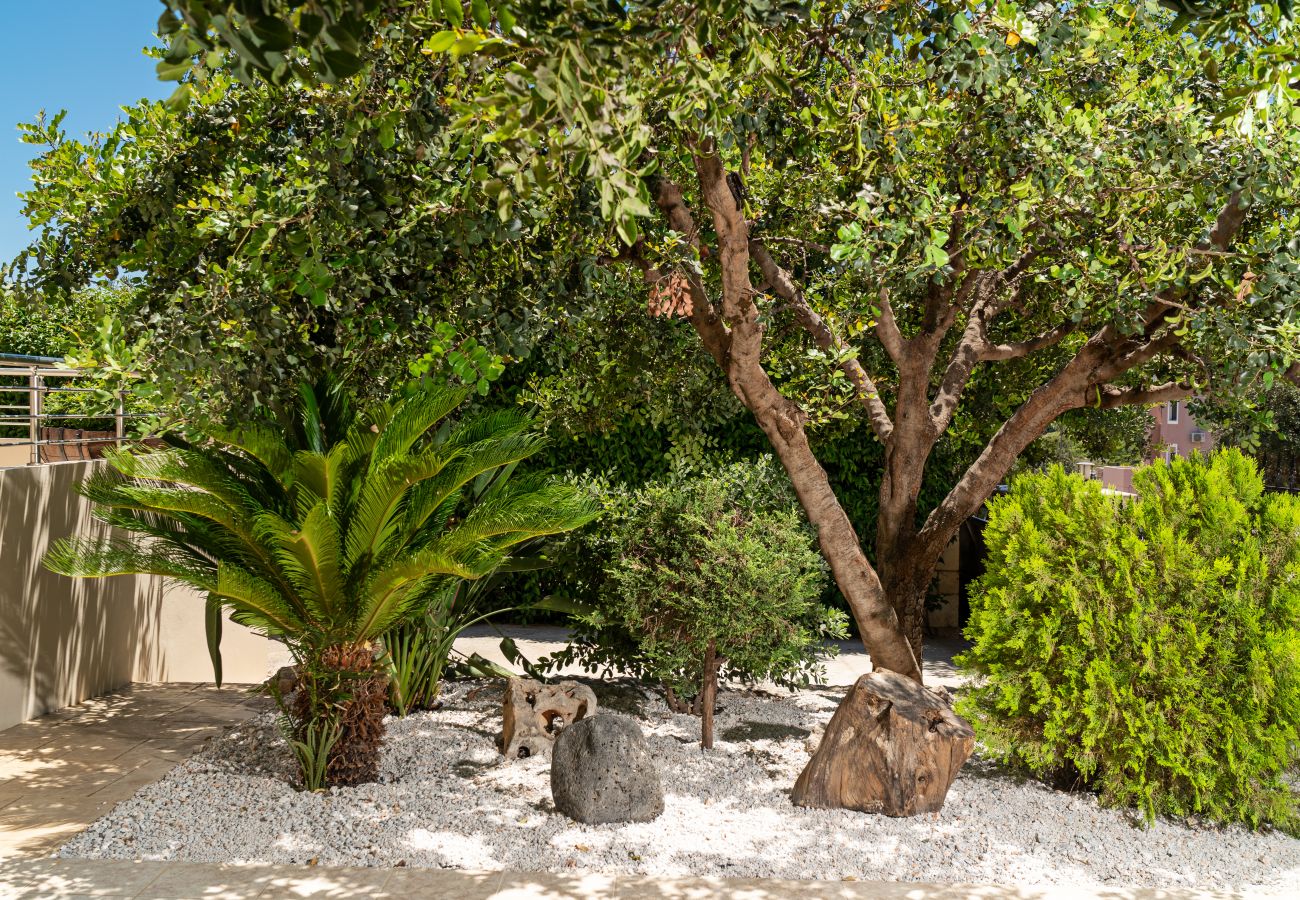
[(1149, 650), (723, 562)]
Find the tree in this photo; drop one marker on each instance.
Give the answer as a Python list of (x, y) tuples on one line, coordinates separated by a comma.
[(30, 326), (933, 195), (323, 531), (709, 577), (259, 231)]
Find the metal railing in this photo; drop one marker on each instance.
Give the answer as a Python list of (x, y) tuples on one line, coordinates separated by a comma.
[(31, 410)]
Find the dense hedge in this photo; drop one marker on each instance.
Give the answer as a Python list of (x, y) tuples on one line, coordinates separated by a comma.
[(1148, 650)]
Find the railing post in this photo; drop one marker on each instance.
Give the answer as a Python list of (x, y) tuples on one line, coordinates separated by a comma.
[(120, 424), (34, 413)]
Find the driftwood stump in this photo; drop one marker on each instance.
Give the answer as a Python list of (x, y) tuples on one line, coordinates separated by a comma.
[(533, 713), (892, 747)]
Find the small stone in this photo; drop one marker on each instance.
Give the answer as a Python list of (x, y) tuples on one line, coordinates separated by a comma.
[(284, 682), (601, 771)]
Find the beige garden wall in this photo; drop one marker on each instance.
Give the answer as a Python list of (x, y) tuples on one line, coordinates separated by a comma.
[(63, 640)]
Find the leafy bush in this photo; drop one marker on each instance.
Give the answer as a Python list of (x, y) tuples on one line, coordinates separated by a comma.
[(717, 569), (1150, 651)]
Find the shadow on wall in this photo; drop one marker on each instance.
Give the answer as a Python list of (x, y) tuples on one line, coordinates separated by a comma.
[(63, 639)]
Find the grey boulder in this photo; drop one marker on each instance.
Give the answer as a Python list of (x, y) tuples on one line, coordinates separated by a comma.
[(601, 771)]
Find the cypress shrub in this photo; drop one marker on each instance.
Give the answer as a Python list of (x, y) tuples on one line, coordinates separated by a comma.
[(1147, 650)]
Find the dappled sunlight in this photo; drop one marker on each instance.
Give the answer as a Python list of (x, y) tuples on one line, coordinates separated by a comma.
[(462, 851)]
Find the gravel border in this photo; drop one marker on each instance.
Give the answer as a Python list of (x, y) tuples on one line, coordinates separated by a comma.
[(447, 799)]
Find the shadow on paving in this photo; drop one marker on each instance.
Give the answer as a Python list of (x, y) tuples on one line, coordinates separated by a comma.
[(62, 771)]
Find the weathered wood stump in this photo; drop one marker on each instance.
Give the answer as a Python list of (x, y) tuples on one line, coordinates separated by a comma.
[(892, 747), (533, 713)]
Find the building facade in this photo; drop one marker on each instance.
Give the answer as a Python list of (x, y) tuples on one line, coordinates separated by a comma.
[(1176, 433)]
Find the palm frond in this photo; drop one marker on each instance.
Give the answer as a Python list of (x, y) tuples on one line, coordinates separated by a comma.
[(90, 558), (262, 442), (474, 460), (390, 591), (522, 513), (412, 420), (496, 424), (308, 556), (169, 500), (257, 602), (188, 468), (380, 496)]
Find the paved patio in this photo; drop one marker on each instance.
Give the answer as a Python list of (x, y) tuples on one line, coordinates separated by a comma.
[(61, 772), (71, 879)]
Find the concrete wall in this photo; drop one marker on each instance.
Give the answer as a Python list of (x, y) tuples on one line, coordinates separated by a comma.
[(63, 640), (14, 452)]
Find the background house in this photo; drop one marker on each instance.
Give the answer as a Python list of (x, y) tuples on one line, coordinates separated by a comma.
[(1176, 433)]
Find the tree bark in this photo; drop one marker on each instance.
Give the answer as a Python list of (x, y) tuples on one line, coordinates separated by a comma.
[(892, 747), (876, 618), (709, 695)]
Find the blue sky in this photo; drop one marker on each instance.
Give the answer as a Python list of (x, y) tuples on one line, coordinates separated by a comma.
[(80, 55)]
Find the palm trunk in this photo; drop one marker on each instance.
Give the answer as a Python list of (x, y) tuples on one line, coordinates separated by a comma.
[(346, 684)]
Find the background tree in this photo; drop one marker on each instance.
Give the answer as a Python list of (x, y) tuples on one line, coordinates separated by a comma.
[(265, 229)]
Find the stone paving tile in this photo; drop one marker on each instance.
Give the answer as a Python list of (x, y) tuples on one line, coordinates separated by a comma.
[(443, 884), (553, 886), (327, 883), (91, 877), (180, 881)]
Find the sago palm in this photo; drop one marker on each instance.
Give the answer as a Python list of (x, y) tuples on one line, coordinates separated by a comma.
[(323, 530)]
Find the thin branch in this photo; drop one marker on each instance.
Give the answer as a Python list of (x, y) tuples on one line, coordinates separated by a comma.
[(1018, 349), (1140, 354), (1110, 397), (863, 385), (712, 330), (799, 242), (1228, 222)]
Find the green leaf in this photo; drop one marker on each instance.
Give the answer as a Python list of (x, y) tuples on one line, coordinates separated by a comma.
[(441, 42), (482, 15), (213, 617)]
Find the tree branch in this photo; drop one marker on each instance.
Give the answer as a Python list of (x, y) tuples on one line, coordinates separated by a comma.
[(1018, 349), (887, 331), (1112, 397), (704, 317), (1228, 222), (863, 385)]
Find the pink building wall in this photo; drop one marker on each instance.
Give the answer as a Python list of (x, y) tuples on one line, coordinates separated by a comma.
[(1176, 433)]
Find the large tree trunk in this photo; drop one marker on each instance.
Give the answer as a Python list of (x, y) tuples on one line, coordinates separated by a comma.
[(734, 339), (857, 580)]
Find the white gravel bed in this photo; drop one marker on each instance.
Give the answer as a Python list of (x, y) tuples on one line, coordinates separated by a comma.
[(447, 799)]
